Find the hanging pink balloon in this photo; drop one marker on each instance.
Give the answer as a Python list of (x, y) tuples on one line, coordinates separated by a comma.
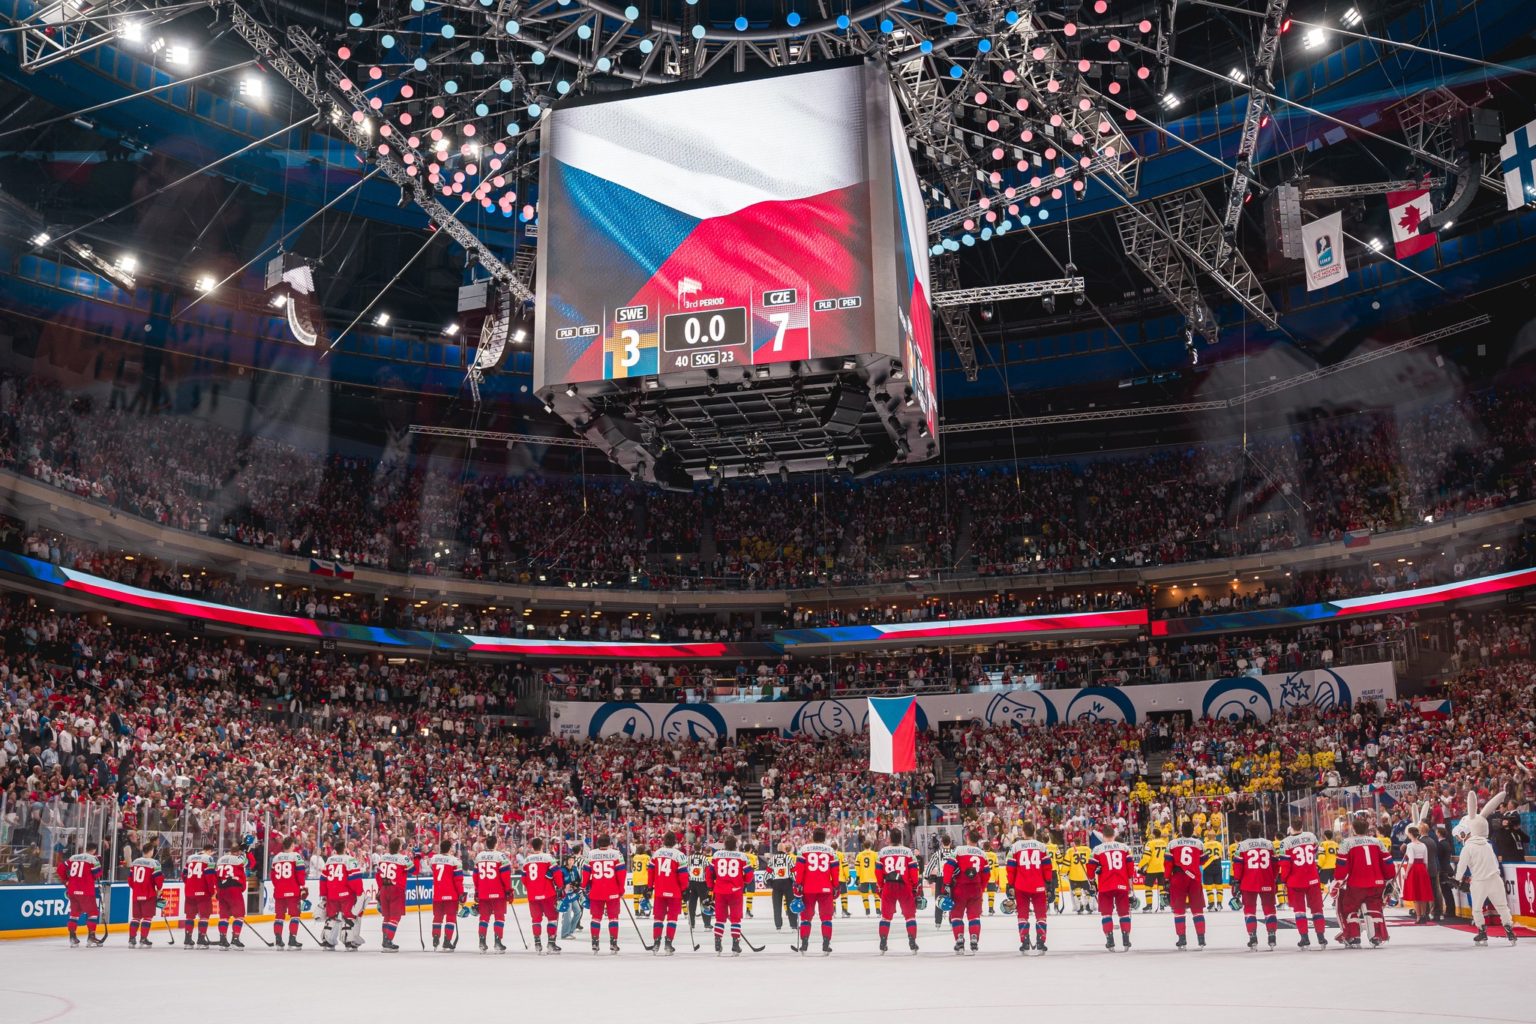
[(345, 53)]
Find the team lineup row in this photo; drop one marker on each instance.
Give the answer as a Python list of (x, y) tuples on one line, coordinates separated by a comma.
[(810, 884)]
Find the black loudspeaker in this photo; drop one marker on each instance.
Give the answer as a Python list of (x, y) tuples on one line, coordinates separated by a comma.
[(617, 431), (1479, 130), (1282, 208), (844, 410)]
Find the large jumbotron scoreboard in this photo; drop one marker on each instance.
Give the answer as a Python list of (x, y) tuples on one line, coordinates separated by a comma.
[(765, 234)]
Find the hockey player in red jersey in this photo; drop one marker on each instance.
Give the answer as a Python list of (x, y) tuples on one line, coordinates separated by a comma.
[(82, 875), (1031, 881), (543, 879), (669, 877), (1112, 869), (230, 871), (1255, 870), (602, 876), (728, 874), (197, 888), (447, 893), (343, 891), (1186, 889), (965, 881), (493, 888), (1303, 885), (818, 876), (392, 872), (901, 879), (145, 877), (287, 875), (1361, 874)]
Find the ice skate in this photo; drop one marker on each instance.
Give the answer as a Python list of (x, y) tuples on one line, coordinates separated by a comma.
[(235, 943), (719, 946), (1481, 938), (1181, 944), (1253, 943), (912, 945), (1109, 943), (826, 947), (884, 945), (223, 941), (1024, 947), (736, 947), (1304, 943), (294, 943), (553, 947), (959, 947), (1125, 940), (613, 946)]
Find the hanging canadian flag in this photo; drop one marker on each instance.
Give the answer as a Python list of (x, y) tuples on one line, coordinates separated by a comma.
[(1409, 210)]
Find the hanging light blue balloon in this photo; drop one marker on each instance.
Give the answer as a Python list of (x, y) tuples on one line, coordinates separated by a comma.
[(534, 110), (506, 211), (388, 41), (450, 87), (420, 64), (513, 128), (448, 31), (506, 85), (984, 45), (631, 12), (477, 57), (793, 18), (951, 18), (1026, 220), (886, 24), (934, 250), (513, 28), (1012, 17), (562, 87), (584, 31), (537, 56), (956, 71), (926, 46), (741, 23), (951, 244), (968, 239), (418, 5), (604, 65), (1045, 214), (481, 110), (842, 21), (698, 32), (986, 234), (646, 46), (355, 20)]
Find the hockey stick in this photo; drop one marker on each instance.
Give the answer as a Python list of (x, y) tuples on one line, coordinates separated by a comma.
[(256, 932), (168, 929), (512, 907), (755, 949), (420, 935), (649, 948)]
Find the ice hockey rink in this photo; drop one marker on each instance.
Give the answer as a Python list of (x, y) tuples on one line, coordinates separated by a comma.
[(1427, 974)]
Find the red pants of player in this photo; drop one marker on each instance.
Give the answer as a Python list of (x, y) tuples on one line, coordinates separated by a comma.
[(728, 909), (444, 912), (391, 902), (1114, 905), (1352, 901), (967, 908), (1251, 903), (601, 907), (817, 904), (83, 904), (665, 908), (1186, 896), (489, 907), (231, 902), (142, 908), (1307, 902), (1027, 903), (897, 898), (543, 908), (197, 907), (286, 906)]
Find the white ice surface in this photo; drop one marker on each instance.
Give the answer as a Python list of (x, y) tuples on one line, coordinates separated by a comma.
[(1427, 974)]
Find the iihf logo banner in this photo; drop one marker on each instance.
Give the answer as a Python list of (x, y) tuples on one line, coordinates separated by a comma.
[(892, 734)]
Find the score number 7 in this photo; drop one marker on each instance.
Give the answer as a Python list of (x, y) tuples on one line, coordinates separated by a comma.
[(780, 322)]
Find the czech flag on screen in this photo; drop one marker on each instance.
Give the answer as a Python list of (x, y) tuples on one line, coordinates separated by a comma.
[(892, 734)]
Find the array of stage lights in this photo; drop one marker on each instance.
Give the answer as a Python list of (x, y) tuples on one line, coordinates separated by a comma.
[(1013, 111)]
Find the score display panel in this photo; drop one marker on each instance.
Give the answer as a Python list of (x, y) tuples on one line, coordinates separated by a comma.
[(738, 224)]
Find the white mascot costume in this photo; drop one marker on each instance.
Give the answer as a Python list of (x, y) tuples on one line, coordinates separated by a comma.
[(1479, 863)]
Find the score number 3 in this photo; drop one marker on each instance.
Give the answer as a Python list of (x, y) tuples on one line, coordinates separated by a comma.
[(631, 347)]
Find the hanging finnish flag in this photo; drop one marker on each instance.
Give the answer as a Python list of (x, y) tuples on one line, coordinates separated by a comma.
[(892, 734), (1517, 159)]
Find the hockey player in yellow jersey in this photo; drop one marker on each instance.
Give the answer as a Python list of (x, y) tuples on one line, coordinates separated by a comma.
[(1152, 868), (866, 877), (1053, 850), (1078, 856), (640, 878), (752, 863), (997, 877), (1210, 872), (1327, 858), (845, 879)]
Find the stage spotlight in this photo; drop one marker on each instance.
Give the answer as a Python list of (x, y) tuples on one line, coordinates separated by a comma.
[(206, 283), (41, 239), (1351, 17), (1050, 304), (253, 87), (127, 263)]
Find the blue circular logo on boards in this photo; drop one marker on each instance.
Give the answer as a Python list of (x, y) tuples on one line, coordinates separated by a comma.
[(1237, 698), (822, 719), (1020, 707), (1101, 704), (695, 722), (621, 718)]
